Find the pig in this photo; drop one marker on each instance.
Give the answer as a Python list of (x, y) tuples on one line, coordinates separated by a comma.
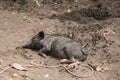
[(68, 50)]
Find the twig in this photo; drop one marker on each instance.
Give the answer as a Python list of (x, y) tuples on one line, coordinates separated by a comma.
[(56, 66), (84, 45), (36, 1), (5, 69)]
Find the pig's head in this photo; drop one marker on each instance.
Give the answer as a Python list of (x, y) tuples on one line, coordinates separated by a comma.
[(36, 42)]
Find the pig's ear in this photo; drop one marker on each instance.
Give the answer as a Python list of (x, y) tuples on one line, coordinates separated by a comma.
[(41, 34)]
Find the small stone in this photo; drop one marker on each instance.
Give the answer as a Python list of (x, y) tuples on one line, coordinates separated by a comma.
[(15, 75), (46, 75), (69, 10)]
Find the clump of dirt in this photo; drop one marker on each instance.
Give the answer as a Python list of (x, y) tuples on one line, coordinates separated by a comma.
[(84, 15), (91, 28), (22, 2)]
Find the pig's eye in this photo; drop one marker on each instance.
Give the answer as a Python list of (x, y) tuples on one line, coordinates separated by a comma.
[(33, 40)]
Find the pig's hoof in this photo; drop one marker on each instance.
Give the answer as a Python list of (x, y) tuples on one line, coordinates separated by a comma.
[(72, 66), (63, 60), (43, 55)]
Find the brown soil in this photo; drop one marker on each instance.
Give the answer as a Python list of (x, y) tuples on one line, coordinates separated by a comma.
[(96, 22)]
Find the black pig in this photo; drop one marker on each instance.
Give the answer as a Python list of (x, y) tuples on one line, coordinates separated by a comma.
[(61, 47)]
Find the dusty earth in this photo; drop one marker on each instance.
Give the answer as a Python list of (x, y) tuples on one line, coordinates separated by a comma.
[(96, 22)]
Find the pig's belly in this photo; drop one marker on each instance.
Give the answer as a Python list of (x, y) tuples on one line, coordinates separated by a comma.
[(58, 54)]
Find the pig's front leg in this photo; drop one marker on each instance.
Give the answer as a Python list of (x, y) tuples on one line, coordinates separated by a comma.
[(42, 52)]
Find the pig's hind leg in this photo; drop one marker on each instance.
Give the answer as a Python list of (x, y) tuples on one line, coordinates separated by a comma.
[(69, 57), (73, 63)]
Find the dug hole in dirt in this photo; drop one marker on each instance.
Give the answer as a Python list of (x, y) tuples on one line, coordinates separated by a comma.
[(95, 22)]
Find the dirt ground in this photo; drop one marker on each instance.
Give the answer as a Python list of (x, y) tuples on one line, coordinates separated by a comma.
[(96, 22)]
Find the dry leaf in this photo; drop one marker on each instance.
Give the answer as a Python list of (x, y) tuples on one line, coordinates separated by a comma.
[(105, 69), (101, 69), (98, 68), (18, 67), (25, 18)]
